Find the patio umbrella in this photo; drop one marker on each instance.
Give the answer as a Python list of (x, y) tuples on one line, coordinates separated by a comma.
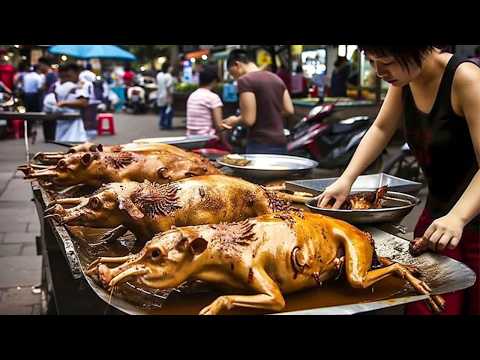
[(93, 52)]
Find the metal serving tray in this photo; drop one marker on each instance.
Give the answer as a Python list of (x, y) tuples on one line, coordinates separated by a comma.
[(444, 275), (272, 166), (185, 142), (393, 211), (363, 183)]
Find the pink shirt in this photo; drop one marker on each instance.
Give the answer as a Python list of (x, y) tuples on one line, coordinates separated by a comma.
[(200, 105)]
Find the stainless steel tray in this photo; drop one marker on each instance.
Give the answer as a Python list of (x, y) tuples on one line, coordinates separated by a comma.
[(272, 166), (185, 142), (444, 275), (394, 213), (363, 183)]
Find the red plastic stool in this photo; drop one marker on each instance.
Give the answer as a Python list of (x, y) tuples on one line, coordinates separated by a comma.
[(17, 128), (111, 124)]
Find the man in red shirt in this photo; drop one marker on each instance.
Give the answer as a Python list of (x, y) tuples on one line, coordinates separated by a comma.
[(7, 71)]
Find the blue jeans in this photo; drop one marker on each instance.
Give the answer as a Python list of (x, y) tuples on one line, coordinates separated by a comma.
[(259, 148), (165, 118)]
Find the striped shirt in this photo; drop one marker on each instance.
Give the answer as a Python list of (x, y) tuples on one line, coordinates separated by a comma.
[(200, 105)]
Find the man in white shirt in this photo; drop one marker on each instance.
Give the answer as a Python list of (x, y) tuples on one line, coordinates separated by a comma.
[(32, 85), (165, 85), (72, 96), (88, 74)]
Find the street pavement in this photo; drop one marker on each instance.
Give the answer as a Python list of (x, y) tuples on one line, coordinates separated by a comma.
[(20, 265)]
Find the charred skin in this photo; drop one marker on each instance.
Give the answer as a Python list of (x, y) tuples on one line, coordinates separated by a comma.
[(52, 158), (270, 255), (96, 168), (147, 208)]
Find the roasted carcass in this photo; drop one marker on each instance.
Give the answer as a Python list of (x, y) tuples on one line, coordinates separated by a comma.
[(52, 158), (268, 256), (363, 200), (97, 168), (148, 208)]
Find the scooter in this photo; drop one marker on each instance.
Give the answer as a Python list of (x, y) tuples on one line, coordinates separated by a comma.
[(404, 165), (136, 99)]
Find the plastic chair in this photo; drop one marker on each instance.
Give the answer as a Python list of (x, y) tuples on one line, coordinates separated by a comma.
[(110, 121), (17, 128)]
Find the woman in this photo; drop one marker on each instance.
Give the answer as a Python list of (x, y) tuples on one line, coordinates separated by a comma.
[(205, 111), (435, 96)]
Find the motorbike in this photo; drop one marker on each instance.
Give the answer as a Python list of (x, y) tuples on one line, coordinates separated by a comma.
[(331, 145), (404, 165), (136, 100)]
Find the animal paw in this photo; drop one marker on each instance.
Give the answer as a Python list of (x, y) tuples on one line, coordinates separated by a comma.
[(223, 302)]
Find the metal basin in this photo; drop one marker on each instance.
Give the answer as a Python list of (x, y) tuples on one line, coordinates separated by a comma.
[(272, 166), (185, 142), (394, 211)]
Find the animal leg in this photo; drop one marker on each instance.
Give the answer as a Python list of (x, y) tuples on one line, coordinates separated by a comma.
[(111, 236), (438, 301), (270, 298)]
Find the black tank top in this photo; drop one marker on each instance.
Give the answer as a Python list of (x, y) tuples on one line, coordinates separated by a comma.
[(442, 144)]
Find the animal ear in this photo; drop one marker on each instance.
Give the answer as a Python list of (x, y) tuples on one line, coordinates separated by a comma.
[(100, 148), (198, 246), (128, 205), (182, 245), (86, 159)]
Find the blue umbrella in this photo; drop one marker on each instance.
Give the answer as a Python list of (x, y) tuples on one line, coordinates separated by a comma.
[(93, 52)]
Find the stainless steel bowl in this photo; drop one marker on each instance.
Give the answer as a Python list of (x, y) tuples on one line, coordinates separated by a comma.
[(272, 166), (395, 210)]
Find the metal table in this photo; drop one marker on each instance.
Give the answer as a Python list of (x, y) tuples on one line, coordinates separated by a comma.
[(69, 291)]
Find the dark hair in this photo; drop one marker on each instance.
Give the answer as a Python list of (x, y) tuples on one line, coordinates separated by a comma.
[(405, 55), (238, 55), (88, 66), (44, 60), (165, 67), (208, 75), (69, 67)]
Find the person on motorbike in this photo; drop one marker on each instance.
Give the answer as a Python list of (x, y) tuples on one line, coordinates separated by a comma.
[(264, 102), (434, 96)]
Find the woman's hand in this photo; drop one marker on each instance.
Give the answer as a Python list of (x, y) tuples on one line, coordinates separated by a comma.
[(444, 232), (61, 104), (338, 191)]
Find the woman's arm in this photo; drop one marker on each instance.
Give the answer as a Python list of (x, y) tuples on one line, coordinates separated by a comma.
[(371, 146), (378, 136), (447, 231)]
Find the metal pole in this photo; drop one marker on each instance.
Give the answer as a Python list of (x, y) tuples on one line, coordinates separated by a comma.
[(25, 135)]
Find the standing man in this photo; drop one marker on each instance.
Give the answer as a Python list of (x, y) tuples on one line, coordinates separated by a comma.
[(264, 103), (50, 79), (165, 85), (72, 96), (32, 87)]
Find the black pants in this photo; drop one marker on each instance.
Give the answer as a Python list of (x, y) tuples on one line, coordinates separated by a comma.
[(32, 103)]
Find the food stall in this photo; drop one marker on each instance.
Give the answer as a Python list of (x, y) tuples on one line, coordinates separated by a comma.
[(67, 255)]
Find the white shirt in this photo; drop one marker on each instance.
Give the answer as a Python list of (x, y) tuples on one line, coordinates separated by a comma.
[(164, 83), (87, 75), (32, 82)]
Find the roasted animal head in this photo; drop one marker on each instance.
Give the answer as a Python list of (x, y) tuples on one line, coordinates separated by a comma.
[(82, 168), (52, 158), (110, 206), (166, 261)]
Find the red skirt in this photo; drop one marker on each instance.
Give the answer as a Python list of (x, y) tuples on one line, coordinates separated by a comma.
[(465, 302)]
